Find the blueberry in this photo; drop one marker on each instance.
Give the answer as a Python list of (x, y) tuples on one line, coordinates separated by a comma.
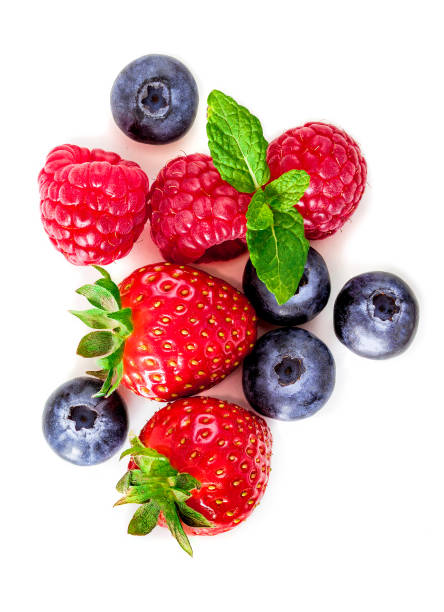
[(82, 429), (154, 99), (376, 315), (310, 298), (289, 375)]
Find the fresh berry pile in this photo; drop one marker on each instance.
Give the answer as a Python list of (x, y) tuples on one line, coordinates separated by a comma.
[(201, 465)]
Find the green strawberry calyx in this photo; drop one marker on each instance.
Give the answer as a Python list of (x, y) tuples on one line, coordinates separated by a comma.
[(112, 325), (275, 229), (159, 488)]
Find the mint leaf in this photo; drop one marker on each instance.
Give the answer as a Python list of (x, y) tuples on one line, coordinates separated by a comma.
[(287, 190), (259, 215), (98, 343), (236, 143), (279, 253)]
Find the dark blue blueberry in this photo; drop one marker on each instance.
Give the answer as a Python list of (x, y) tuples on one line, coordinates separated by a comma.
[(83, 429), (310, 298), (154, 99), (289, 375), (376, 315)]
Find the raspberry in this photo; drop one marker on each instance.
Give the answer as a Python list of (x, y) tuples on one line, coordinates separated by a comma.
[(93, 203), (337, 172), (195, 215)]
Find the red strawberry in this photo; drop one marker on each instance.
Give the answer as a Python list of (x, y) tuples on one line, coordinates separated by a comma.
[(183, 330), (212, 470), (195, 215), (337, 172), (93, 203)]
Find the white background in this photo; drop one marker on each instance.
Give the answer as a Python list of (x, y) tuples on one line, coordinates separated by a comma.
[(353, 516)]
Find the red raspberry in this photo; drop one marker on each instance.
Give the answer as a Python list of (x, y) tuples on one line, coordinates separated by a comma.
[(337, 172), (195, 215), (93, 203)]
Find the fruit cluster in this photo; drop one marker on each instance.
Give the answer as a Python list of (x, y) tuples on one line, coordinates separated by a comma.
[(201, 465)]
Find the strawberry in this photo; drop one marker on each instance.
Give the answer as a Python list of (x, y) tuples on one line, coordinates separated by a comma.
[(200, 466), (167, 331)]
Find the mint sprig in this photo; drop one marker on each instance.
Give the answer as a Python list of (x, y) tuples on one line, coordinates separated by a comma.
[(114, 326), (158, 487), (279, 252), (237, 144), (275, 229)]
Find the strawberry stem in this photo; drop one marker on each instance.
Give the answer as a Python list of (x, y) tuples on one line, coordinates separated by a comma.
[(158, 487), (113, 324)]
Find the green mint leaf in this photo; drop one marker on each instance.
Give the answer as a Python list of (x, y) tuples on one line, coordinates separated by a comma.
[(123, 317), (259, 215), (145, 519), (236, 143), (279, 253), (191, 517), (98, 343), (287, 190), (99, 297), (124, 483), (175, 526), (95, 318)]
